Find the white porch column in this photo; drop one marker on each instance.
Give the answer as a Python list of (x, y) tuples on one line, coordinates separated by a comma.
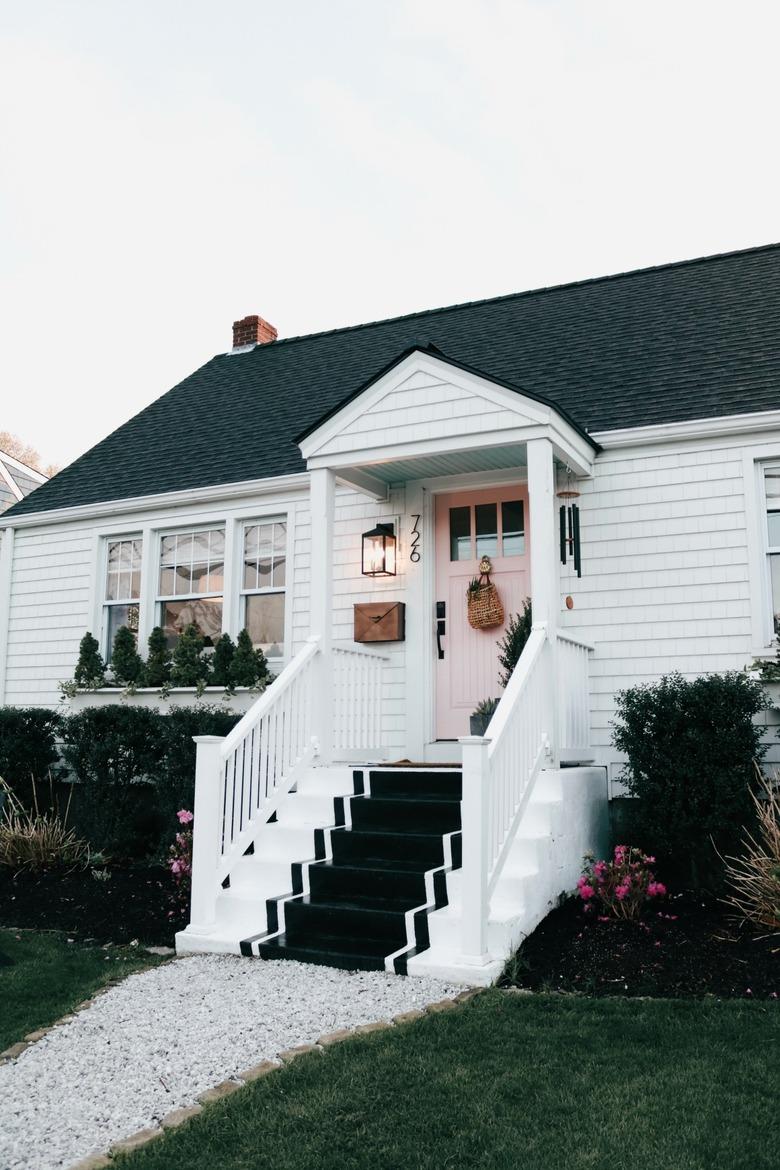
[(323, 509), (544, 552), (545, 586)]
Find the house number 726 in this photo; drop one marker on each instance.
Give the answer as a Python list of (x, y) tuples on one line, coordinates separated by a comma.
[(414, 554)]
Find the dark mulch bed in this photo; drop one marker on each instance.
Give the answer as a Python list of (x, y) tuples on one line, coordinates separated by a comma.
[(133, 903), (686, 945)]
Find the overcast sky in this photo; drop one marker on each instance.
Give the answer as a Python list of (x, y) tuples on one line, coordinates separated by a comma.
[(167, 167)]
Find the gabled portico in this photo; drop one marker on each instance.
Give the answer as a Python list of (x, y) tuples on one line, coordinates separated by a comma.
[(431, 425)]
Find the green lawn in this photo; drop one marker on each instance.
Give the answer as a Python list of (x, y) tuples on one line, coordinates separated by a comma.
[(47, 976), (526, 1082)]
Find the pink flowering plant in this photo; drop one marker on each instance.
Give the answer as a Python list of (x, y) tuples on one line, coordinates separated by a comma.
[(180, 856), (621, 887)]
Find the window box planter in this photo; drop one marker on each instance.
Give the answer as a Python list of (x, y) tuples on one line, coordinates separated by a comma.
[(239, 702)]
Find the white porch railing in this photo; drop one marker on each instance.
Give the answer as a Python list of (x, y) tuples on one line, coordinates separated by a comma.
[(357, 698), (241, 779), (573, 695), (544, 709)]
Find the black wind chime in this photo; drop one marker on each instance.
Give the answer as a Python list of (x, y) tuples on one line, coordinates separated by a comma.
[(569, 521)]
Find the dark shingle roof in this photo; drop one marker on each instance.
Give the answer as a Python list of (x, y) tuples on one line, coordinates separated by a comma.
[(691, 340)]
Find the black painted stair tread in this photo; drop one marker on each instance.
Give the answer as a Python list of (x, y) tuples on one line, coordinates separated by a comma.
[(398, 814), (355, 913), (414, 785)]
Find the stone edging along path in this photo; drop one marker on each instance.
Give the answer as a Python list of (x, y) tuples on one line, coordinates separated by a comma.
[(150, 1052), (178, 1117)]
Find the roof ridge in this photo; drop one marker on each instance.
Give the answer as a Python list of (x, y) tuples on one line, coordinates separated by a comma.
[(531, 292)]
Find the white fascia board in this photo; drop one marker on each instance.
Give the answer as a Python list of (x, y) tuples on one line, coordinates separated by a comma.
[(205, 495), (33, 474), (700, 428)]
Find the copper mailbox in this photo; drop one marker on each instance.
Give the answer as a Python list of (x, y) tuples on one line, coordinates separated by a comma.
[(382, 621)]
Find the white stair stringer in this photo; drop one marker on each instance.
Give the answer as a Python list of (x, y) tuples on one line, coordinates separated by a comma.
[(241, 909), (566, 818)]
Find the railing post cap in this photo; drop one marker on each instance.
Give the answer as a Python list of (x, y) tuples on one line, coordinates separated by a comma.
[(209, 738)]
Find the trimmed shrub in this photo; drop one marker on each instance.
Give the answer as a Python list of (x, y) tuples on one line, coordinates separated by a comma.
[(175, 774), (189, 668), (28, 748), (115, 753), (126, 662), (249, 666), (691, 747), (157, 668), (511, 646), (222, 661), (90, 669)]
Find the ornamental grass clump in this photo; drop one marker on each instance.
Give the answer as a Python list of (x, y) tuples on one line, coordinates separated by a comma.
[(33, 840), (754, 877), (621, 887)]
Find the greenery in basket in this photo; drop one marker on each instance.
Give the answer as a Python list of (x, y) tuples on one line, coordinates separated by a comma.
[(511, 646), (474, 585)]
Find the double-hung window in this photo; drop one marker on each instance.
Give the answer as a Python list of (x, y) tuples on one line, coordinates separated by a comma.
[(263, 582), (191, 583), (122, 588), (772, 494)]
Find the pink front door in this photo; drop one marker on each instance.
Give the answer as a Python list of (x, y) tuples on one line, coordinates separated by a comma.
[(489, 522)]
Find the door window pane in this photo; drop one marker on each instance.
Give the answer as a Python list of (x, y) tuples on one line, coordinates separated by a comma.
[(460, 534), (773, 528), (265, 622), (512, 528), (486, 518)]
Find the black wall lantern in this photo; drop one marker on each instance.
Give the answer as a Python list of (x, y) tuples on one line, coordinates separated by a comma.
[(379, 552)]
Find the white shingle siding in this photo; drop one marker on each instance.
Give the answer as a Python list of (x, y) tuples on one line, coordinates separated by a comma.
[(665, 582), (48, 612)]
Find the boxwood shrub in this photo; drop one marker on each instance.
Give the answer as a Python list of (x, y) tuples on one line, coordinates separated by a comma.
[(134, 767), (691, 746), (28, 750)]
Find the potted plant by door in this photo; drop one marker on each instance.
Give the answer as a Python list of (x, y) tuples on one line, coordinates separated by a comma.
[(481, 716)]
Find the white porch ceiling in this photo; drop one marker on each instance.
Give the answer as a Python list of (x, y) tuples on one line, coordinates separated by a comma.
[(451, 463)]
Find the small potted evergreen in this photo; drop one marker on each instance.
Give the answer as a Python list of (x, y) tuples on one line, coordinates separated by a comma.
[(481, 716)]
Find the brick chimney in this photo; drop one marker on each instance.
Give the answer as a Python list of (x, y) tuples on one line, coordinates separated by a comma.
[(252, 331)]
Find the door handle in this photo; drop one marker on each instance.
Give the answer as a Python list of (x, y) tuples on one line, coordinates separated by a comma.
[(441, 625)]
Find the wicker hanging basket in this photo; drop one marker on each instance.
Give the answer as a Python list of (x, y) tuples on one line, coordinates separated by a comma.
[(485, 610)]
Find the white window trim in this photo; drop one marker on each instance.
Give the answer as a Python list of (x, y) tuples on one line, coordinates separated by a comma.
[(177, 529), (151, 531), (285, 516), (101, 625), (755, 461)]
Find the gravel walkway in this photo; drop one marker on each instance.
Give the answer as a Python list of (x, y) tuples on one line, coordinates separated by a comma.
[(164, 1036)]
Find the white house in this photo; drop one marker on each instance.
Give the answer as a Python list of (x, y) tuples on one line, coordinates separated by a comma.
[(612, 446)]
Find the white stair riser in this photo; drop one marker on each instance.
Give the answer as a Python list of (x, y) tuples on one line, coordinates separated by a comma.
[(306, 809), (326, 782)]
